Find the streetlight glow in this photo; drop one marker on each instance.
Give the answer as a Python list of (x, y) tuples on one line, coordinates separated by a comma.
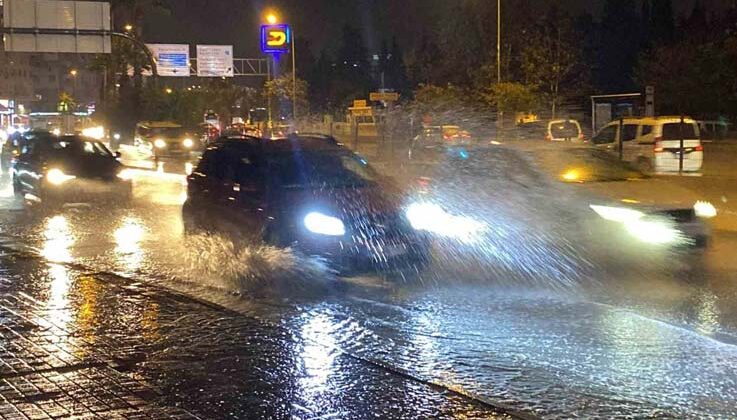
[(128, 27), (73, 72), (271, 18)]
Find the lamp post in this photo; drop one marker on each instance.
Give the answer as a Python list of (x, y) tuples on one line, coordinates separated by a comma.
[(272, 19), (499, 41)]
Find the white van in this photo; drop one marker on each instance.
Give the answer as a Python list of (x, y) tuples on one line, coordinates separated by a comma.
[(654, 143)]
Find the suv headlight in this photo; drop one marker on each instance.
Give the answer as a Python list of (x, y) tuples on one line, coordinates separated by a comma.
[(159, 143), (324, 225), (188, 143)]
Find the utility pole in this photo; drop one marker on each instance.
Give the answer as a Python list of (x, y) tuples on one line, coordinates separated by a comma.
[(294, 80), (498, 41)]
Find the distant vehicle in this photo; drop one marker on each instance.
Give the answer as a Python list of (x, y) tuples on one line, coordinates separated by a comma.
[(166, 139), (652, 210), (554, 130), (653, 144), (308, 193), (434, 137), (207, 132), (68, 169)]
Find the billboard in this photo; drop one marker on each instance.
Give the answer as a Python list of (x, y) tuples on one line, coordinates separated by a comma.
[(276, 39), (171, 59), (215, 60), (57, 26)]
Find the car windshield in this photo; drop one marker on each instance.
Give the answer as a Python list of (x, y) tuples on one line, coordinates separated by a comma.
[(308, 169), (585, 165), (677, 131), (164, 131), (74, 146), (564, 129)]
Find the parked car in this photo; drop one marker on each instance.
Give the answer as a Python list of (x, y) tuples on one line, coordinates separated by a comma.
[(308, 193), (653, 144), (552, 130)]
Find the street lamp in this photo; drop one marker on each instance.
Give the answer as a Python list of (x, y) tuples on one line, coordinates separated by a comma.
[(73, 73), (128, 27), (272, 19), (168, 91)]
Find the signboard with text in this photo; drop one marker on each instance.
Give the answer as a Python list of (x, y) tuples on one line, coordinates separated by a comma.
[(171, 59), (384, 96), (215, 60), (57, 26), (276, 39)]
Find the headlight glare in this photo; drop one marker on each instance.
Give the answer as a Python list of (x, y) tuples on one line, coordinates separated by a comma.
[(188, 143), (705, 209), (324, 225), (159, 143), (432, 218), (125, 174), (57, 177)]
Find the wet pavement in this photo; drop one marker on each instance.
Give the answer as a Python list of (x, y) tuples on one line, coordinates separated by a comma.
[(197, 326)]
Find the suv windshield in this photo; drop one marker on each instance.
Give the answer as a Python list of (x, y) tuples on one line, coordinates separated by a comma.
[(319, 169)]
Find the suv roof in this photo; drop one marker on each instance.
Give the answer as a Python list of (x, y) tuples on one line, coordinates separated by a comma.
[(663, 119), (283, 144)]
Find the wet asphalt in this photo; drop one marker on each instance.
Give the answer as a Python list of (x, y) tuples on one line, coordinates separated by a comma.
[(255, 332)]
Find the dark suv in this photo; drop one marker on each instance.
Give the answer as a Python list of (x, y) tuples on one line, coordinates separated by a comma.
[(308, 193)]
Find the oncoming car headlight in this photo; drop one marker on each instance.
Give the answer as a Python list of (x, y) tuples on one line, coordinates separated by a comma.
[(658, 231), (125, 175), (432, 218), (57, 177), (159, 143), (188, 143), (324, 225)]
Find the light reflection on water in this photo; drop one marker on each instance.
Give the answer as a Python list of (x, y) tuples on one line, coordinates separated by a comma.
[(317, 355), (128, 250), (58, 240)]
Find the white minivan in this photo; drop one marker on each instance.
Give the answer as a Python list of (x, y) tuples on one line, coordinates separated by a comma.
[(654, 143)]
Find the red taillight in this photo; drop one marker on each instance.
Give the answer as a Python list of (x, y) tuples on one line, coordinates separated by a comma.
[(698, 148)]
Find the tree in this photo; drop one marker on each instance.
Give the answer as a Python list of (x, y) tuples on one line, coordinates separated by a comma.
[(282, 94), (663, 23), (510, 97), (618, 45), (551, 60)]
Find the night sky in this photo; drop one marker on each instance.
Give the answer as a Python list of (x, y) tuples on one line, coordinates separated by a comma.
[(236, 21)]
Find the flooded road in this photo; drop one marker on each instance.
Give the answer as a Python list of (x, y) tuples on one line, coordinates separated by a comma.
[(628, 345)]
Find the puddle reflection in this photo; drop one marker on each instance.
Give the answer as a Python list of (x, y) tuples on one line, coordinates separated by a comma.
[(318, 353), (128, 251), (58, 240)]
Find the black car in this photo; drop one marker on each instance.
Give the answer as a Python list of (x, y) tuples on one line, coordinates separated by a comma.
[(67, 169), (307, 193)]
